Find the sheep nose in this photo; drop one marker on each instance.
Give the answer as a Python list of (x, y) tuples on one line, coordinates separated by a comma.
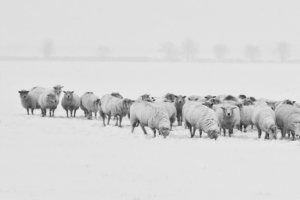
[(179, 101), (228, 114)]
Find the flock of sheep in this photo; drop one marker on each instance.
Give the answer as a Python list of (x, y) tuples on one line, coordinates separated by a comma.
[(210, 114)]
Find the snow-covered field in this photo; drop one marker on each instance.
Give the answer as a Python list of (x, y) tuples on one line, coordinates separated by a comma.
[(74, 158)]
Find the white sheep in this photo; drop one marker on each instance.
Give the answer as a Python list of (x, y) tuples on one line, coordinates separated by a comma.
[(113, 106), (70, 102), (170, 96), (246, 115), (48, 100), (37, 91), (288, 119), (228, 116), (198, 116), (263, 118), (91, 103), (28, 101), (151, 115)]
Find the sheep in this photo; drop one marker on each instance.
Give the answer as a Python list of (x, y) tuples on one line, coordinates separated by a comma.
[(28, 102), (246, 114), (170, 108), (208, 97), (145, 97), (228, 117), (247, 102), (82, 107), (242, 96), (179, 103), (196, 98), (116, 94), (151, 115), (90, 103), (263, 118), (112, 106), (37, 91), (70, 102), (48, 100), (288, 119), (170, 96), (197, 116)]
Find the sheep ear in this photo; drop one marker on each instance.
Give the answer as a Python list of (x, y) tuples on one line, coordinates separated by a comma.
[(196, 99), (61, 86), (293, 102), (233, 108), (223, 108), (65, 92), (184, 97), (175, 96), (132, 101), (214, 96), (72, 92)]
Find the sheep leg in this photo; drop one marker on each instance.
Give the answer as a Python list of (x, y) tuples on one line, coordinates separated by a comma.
[(117, 119), (27, 111), (189, 127), (267, 136), (259, 132), (71, 112), (120, 121), (74, 113), (293, 135), (241, 127), (230, 132), (154, 131), (289, 134), (194, 131), (53, 112), (200, 131), (171, 126), (143, 128), (108, 119), (224, 131), (133, 125), (282, 133), (128, 115), (245, 128), (67, 113), (32, 111), (89, 115), (96, 115)]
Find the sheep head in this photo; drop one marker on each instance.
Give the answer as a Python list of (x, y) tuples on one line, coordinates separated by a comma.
[(228, 110), (24, 94)]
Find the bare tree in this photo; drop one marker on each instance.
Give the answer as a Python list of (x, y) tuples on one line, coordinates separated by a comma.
[(252, 53), (170, 50), (190, 49), (283, 50), (103, 51), (47, 48), (220, 51)]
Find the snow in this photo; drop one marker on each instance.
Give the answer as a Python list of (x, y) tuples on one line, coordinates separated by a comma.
[(75, 158)]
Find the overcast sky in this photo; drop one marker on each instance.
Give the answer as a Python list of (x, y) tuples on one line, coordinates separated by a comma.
[(142, 25)]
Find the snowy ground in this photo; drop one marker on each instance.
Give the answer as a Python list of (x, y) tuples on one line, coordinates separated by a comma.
[(63, 158)]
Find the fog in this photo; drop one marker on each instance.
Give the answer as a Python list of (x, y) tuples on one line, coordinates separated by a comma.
[(139, 27)]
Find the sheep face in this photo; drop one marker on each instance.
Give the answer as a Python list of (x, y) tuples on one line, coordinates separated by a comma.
[(57, 89), (68, 94), (297, 128), (116, 94), (252, 98), (213, 134), (146, 97), (242, 96), (208, 97), (23, 94), (170, 96), (228, 111), (52, 98), (165, 131), (289, 102), (272, 131), (247, 102), (272, 104), (180, 100), (214, 101), (127, 103)]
